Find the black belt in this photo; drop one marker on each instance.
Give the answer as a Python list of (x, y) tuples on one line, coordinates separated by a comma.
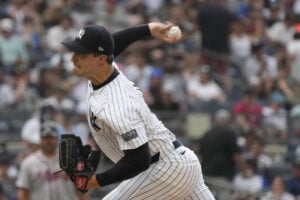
[(176, 144)]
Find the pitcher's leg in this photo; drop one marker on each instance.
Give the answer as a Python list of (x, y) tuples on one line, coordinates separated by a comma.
[(201, 192), (128, 187)]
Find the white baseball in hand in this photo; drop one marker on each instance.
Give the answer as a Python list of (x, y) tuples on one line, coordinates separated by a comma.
[(174, 32)]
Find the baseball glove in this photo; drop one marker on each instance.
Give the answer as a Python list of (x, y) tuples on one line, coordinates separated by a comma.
[(79, 162)]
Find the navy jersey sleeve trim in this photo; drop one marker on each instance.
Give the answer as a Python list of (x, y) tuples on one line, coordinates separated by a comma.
[(132, 163), (126, 37)]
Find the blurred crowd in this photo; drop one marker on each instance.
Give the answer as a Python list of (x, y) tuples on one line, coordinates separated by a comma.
[(238, 61)]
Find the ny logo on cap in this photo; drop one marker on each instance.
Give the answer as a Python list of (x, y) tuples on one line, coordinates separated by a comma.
[(80, 33)]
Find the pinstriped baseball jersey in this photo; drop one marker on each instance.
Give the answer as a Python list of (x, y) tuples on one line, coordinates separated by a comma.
[(120, 120)]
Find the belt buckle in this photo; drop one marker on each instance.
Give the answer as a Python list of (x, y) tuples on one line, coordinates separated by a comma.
[(177, 143)]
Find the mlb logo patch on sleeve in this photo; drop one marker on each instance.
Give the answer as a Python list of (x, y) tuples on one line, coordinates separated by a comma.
[(130, 135)]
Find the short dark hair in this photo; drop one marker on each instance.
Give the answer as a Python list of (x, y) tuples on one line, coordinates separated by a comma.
[(250, 90), (257, 47), (109, 59)]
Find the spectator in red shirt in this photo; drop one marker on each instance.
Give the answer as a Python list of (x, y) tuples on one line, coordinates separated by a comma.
[(248, 111)]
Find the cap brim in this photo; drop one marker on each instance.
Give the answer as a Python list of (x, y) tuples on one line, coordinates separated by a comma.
[(75, 47)]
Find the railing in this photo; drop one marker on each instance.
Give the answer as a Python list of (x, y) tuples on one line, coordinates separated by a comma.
[(11, 122), (180, 122), (186, 125)]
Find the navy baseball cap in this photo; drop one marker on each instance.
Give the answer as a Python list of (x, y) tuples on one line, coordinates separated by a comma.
[(92, 39)]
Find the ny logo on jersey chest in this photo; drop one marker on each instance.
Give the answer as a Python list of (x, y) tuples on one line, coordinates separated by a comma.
[(93, 119)]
